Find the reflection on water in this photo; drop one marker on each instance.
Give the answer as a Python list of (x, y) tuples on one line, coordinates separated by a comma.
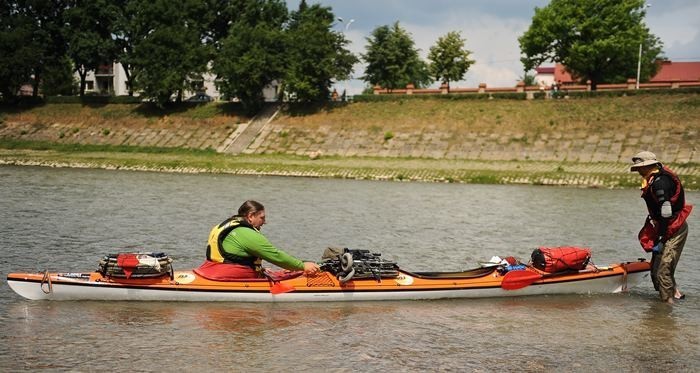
[(84, 214)]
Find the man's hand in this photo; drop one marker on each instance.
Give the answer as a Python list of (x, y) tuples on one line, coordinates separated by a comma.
[(658, 248), (311, 268)]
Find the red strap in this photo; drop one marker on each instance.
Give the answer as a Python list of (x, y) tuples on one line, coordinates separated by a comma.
[(128, 262)]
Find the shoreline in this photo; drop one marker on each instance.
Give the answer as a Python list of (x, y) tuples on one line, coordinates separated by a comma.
[(586, 142), (609, 175)]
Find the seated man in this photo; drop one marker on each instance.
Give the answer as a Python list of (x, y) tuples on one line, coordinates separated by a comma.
[(236, 248)]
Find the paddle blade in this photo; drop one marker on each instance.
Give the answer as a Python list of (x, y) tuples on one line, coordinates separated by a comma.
[(519, 279), (280, 288)]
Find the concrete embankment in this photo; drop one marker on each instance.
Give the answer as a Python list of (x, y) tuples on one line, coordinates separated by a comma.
[(565, 142)]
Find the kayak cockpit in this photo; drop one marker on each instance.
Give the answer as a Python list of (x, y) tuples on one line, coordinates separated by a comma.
[(472, 273)]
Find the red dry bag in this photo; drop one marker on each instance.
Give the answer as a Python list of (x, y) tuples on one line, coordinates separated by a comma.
[(559, 259)]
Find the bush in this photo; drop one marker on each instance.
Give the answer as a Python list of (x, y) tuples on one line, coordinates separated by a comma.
[(632, 92), (450, 96), (103, 100)]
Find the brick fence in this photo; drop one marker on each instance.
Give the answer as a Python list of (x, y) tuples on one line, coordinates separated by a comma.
[(531, 90)]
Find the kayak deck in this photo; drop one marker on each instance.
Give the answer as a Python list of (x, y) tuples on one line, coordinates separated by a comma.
[(188, 286)]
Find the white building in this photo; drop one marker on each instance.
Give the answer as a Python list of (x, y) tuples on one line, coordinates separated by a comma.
[(111, 80)]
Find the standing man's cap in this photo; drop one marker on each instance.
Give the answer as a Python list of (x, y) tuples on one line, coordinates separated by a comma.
[(642, 159)]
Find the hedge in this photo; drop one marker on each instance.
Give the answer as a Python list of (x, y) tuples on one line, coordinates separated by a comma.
[(451, 96)]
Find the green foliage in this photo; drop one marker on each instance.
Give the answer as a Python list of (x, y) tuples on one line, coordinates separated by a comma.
[(528, 79), (31, 41), (88, 29), (451, 97), (392, 59), (252, 56), (58, 79), (449, 60), (6, 143), (126, 31), (169, 51), (90, 100), (16, 52), (316, 55), (597, 40)]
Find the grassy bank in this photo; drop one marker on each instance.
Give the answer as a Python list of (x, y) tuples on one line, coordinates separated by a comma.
[(577, 142), (603, 175)]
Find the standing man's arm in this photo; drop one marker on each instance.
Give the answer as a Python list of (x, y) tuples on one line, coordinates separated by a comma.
[(664, 187)]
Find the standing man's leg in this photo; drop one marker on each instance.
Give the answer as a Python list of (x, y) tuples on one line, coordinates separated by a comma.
[(666, 264)]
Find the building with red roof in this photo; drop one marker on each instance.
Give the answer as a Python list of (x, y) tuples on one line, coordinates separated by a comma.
[(681, 71), (669, 71)]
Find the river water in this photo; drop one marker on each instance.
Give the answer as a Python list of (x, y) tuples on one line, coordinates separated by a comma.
[(67, 219)]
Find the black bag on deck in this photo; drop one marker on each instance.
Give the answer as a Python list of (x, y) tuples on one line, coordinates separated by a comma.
[(365, 264), (136, 265)]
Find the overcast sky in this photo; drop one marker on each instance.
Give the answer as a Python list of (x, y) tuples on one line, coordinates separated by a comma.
[(491, 29)]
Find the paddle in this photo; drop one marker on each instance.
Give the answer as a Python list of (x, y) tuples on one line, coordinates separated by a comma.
[(519, 279), (280, 288)]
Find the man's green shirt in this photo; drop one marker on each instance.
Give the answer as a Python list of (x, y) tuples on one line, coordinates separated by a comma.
[(245, 242)]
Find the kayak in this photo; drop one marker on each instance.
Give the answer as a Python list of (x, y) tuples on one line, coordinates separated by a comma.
[(482, 282)]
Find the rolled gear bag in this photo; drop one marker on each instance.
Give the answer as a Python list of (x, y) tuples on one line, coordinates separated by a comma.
[(136, 265), (560, 259), (648, 235)]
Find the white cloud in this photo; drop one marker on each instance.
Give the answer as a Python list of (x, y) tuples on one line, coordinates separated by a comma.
[(679, 29), (492, 28), (493, 42)]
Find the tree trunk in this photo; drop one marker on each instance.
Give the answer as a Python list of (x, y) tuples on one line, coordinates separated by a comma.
[(129, 83), (82, 72), (37, 79)]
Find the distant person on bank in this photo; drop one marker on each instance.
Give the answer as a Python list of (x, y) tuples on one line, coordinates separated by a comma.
[(665, 230), (236, 248)]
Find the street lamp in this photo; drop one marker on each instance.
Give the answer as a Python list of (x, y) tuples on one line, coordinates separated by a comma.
[(639, 60), (347, 25)]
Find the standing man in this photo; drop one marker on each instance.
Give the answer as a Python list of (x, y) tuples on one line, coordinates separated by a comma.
[(665, 230)]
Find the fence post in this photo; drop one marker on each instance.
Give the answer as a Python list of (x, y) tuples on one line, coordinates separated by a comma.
[(409, 88)]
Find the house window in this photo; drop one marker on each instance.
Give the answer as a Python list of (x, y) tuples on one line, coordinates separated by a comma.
[(89, 85)]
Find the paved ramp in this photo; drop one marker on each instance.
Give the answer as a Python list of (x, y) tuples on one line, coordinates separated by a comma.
[(245, 133)]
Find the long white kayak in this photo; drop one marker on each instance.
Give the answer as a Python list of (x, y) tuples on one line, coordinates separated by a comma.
[(189, 286)]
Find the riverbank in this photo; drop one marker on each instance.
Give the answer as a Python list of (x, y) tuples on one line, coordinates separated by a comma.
[(584, 142), (573, 174)]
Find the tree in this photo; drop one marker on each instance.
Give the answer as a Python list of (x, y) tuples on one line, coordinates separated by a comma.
[(16, 52), (449, 60), (316, 55), (126, 28), (392, 59), (89, 27), (168, 49), (59, 79), (253, 54), (597, 40), (31, 36), (528, 79)]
